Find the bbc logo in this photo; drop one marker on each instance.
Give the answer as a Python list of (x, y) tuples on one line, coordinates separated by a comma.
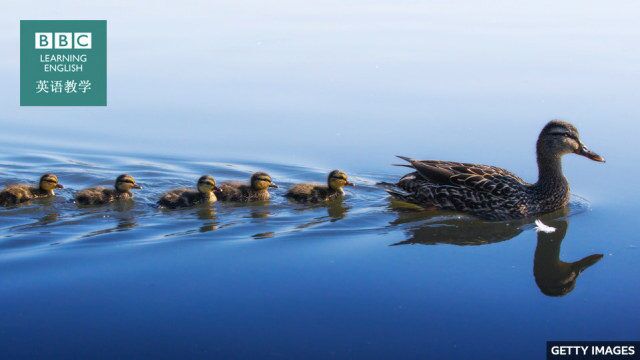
[(63, 40)]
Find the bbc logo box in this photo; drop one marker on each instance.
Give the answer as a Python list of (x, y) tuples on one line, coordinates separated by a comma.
[(63, 40), (63, 63)]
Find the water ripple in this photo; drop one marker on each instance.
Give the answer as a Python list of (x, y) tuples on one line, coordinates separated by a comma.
[(59, 222)]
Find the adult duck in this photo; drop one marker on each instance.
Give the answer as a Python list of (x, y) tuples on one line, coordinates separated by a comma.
[(493, 193)]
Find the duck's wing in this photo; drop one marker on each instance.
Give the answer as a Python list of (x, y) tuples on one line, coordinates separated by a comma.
[(483, 178)]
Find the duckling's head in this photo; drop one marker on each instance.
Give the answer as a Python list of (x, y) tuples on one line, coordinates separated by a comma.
[(261, 181), (207, 184), (337, 180), (48, 182), (559, 138), (125, 182)]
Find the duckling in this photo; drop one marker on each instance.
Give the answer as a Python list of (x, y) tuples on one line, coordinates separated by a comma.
[(20, 193), (257, 190), (204, 194), (315, 193), (101, 195)]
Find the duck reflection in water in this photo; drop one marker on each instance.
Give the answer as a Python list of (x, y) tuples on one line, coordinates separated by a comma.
[(260, 212), (122, 211), (553, 276), (208, 215), (337, 210)]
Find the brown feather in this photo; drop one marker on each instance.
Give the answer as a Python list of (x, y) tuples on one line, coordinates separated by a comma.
[(240, 192)]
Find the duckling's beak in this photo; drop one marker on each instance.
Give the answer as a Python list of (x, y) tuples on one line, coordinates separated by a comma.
[(136, 186), (272, 185), (349, 183), (59, 186), (215, 188), (586, 152)]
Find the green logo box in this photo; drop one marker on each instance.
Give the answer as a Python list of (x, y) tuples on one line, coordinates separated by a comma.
[(63, 63)]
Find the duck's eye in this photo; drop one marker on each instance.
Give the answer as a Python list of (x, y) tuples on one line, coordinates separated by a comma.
[(565, 135), (571, 136)]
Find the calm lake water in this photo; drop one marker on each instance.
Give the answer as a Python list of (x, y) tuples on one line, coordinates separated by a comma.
[(297, 90)]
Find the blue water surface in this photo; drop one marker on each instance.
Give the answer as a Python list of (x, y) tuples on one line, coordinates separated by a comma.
[(298, 89)]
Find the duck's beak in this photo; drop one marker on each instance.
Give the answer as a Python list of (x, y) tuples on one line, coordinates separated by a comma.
[(582, 264), (349, 183), (59, 186), (215, 188), (272, 185), (586, 152), (136, 186)]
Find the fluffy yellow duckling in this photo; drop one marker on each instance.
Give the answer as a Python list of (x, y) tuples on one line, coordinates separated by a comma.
[(315, 193), (257, 190), (204, 194), (101, 195), (20, 193)]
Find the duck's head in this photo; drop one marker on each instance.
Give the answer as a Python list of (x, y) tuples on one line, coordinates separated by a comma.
[(126, 182), (207, 184), (261, 181), (48, 182), (337, 180), (553, 276), (560, 138)]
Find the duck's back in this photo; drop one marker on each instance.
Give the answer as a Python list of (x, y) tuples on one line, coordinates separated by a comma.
[(16, 194), (240, 192), (231, 191), (311, 193), (180, 198), (95, 196), (487, 191)]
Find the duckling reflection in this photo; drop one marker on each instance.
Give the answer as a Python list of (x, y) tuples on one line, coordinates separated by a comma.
[(208, 215), (555, 277), (337, 210), (123, 212), (45, 220), (49, 218), (124, 223), (259, 212)]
